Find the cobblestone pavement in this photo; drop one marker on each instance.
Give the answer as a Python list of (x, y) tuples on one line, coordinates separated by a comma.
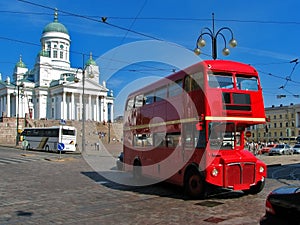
[(69, 191)]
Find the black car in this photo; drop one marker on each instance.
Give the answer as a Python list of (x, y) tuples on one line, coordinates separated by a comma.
[(283, 207)]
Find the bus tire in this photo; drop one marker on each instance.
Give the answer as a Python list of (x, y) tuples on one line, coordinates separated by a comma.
[(137, 169), (194, 184), (255, 189), (47, 148)]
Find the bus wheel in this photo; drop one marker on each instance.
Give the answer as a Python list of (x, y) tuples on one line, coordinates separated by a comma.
[(47, 148), (194, 184), (137, 170), (255, 189)]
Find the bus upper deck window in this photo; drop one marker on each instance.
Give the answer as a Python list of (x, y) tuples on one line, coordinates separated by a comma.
[(246, 83), (216, 80), (161, 94), (149, 98)]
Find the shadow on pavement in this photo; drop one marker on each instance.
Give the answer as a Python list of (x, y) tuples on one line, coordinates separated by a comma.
[(162, 189)]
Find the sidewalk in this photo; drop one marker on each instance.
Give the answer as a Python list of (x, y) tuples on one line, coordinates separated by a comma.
[(115, 149), (279, 160)]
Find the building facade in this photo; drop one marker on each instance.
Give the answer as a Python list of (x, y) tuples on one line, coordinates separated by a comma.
[(53, 89), (283, 125)]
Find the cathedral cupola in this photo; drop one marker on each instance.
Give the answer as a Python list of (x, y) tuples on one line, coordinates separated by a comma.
[(55, 43)]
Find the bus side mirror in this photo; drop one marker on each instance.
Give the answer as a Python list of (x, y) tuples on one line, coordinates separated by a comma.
[(199, 126)]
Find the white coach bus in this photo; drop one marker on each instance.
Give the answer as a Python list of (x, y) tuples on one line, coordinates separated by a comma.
[(48, 138)]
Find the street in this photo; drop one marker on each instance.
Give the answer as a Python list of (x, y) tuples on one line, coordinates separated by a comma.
[(38, 188)]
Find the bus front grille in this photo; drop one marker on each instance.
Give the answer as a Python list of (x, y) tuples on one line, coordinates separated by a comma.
[(239, 174)]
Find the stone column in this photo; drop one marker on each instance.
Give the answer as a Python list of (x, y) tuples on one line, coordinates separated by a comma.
[(8, 105), (64, 108), (97, 109), (73, 106), (89, 114)]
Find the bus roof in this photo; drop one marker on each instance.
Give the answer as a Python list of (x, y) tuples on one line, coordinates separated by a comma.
[(218, 65), (232, 66), (52, 127)]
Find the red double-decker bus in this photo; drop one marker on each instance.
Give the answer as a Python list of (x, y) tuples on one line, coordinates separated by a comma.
[(188, 128)]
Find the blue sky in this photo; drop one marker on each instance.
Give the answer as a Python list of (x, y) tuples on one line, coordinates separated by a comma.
[(267, 33)]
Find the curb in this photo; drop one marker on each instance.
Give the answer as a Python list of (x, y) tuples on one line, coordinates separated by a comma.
[(274, 165)]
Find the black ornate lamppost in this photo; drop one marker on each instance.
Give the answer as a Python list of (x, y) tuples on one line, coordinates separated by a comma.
[(206, 31), (18, 110)]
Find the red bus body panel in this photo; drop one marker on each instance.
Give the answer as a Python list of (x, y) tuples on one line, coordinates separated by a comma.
[(237, 168)]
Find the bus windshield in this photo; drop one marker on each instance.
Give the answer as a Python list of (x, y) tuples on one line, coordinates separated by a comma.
[(223, 136), (220, 80), (246, 83)]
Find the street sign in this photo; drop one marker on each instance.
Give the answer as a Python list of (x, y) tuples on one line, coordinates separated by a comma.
[(248, 134), (60, 146)]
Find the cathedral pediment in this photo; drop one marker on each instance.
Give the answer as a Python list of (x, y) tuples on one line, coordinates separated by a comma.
[(88, 85)]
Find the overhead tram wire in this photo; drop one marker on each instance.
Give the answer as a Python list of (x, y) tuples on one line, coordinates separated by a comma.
[(133, 22), (104, 21), (150, 18), (25, 13), (81, 53), (35, 44), (126, 33), (277, 76), (19, 41)]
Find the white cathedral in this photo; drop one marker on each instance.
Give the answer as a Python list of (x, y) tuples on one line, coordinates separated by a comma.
[(52, 89)]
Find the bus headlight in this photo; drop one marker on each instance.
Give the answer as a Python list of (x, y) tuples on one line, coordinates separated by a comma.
[(214, 172), (261, 169)]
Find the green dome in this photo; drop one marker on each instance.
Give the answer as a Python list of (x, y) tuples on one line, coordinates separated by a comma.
[(21, 64), (91, 61), (55, 26)]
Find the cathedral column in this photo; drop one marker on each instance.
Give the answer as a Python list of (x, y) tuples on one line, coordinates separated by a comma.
[(90, 108), (8, 105), (97, 109), (1, 104), (54, 116), (73, 106), (102, 109), (63, 113)]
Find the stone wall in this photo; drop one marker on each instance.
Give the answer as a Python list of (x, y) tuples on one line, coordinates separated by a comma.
[(113, 132), (8, 130)]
